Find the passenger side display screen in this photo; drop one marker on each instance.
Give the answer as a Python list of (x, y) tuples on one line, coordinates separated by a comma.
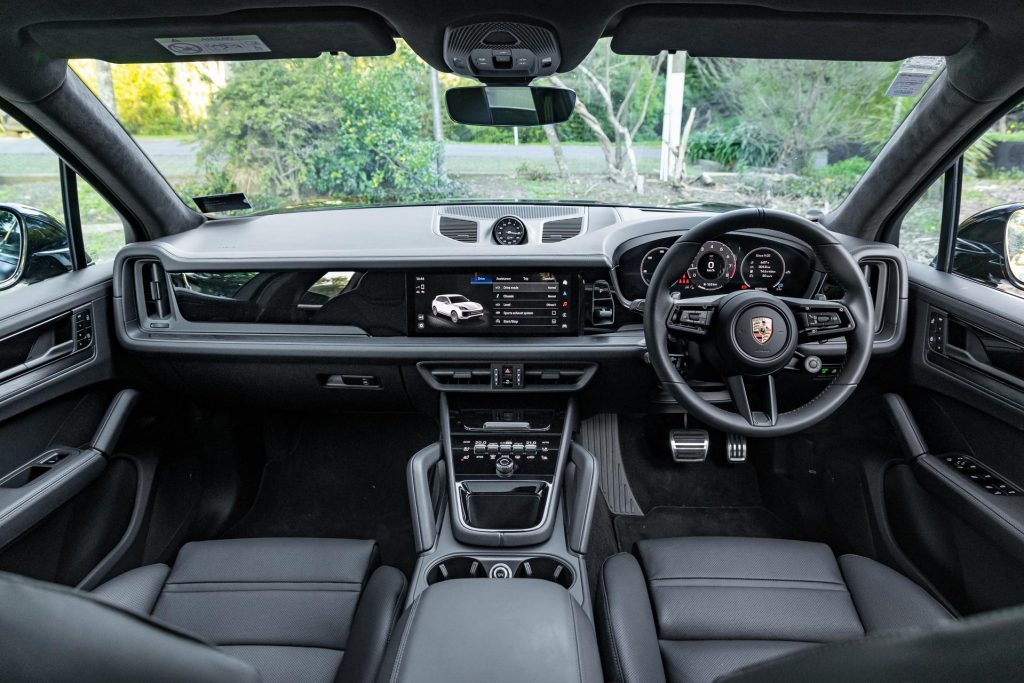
[(539, 303)]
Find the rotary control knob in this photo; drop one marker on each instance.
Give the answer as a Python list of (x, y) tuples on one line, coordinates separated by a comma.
[(504, 466)]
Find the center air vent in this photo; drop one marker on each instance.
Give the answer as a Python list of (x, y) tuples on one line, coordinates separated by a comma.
[(566, 228), (458, 229)]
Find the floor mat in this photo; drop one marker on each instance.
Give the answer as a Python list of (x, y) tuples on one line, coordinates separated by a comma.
[(670, 522), (339, 476)]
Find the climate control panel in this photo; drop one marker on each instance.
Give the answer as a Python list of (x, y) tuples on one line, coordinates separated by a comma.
[(529, 455)]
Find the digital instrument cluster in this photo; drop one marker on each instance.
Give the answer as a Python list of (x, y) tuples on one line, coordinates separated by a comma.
[(720, 266)]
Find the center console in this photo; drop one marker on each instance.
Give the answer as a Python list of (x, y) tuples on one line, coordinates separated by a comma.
[(506, 493), (505, 466)]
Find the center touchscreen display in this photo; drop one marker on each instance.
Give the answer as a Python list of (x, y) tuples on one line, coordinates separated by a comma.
[(493, 303)]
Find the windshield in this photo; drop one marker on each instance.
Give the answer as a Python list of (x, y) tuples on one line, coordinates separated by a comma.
[(666, 131)]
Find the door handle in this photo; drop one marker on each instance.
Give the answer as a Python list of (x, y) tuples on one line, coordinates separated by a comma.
[(36, 346), (984, 352)]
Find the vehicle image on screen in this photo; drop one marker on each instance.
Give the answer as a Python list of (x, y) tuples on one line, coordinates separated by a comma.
[(455, 307)]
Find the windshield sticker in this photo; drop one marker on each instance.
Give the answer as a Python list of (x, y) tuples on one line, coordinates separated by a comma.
[(213, 45), (914, 73)]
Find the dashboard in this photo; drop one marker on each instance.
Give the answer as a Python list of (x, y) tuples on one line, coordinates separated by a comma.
[(735, 262), (469, 281)]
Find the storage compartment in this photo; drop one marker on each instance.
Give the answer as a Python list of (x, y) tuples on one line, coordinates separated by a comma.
[(503, 506)]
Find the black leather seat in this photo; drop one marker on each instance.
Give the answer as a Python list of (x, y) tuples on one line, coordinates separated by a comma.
[(701, 608), (276, 609)]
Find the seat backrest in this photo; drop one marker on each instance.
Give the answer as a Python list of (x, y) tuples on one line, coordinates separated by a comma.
[(985, 647), (52, 633)]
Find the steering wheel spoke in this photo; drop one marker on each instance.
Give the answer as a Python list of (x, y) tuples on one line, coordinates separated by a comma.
[(820, 320), (763, 389), (692, 317)]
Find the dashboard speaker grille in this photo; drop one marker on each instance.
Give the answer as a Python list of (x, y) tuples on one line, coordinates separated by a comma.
[(567, 228), (458, 229)]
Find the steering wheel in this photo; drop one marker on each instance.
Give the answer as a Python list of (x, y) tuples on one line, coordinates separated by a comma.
[(748, 336)]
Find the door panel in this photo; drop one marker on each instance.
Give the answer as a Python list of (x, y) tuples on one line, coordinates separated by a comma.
[(958, 510), (55, 395)]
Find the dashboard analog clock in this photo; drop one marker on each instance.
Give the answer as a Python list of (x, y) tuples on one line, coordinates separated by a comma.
[(713, 266), (763, 268), (509, 231)]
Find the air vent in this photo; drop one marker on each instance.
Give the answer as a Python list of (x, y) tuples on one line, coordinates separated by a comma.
[(567, 228), (552, 376), (602, 304), (154, 290), (458, 229), (877, 275), (462, 376), (474, 376)]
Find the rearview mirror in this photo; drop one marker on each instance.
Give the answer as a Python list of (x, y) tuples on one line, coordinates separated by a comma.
[(12, 248), (509, 105)]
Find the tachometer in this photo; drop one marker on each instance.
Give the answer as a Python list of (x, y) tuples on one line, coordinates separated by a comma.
[(650, 262), (713, 266), (763, 268)]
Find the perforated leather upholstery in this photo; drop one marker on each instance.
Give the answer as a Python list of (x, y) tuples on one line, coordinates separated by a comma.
[(694, 609)]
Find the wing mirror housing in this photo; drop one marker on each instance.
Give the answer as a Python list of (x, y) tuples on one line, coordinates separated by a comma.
[(34, 246), (510, 105), (1013, 247), (13, 247)]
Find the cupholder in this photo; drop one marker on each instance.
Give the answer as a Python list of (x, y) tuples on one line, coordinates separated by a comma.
[(546, 568), (459, 567), (467, 567)]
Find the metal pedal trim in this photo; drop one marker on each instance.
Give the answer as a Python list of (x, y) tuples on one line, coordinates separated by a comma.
[(735, 448), (689, 445)]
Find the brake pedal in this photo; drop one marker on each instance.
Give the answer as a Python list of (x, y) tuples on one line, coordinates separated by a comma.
[(735, 448), (689, 445)]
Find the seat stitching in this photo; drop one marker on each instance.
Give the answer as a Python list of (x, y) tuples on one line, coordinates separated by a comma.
[(404, 642), (807, 585), (395, 616), (576, 637), (608, 627), (743, 578)]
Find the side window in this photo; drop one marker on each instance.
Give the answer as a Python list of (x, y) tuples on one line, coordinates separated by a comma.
[(970, 222), (35, 241), (102, 228), (922, 226)]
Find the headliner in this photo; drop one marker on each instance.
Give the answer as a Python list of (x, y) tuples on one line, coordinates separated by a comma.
[(36, 36)]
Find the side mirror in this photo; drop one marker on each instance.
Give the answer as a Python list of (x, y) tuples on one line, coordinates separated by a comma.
[(509, 105), (1013, 243), (13, 248)]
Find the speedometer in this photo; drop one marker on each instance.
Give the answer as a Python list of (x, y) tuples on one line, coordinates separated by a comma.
[(713, 266), (763, 268), (650, 262)]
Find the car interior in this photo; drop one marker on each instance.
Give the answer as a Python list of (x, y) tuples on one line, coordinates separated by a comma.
[(503, 440)]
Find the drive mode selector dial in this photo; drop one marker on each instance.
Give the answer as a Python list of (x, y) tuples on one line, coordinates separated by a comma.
[(509, 231), (505, 466)]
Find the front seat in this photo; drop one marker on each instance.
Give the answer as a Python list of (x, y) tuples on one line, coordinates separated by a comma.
[(263, 609), (701, 608)]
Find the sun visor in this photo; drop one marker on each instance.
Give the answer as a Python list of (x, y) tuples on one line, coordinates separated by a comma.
[(743, 31), (256, 34)]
